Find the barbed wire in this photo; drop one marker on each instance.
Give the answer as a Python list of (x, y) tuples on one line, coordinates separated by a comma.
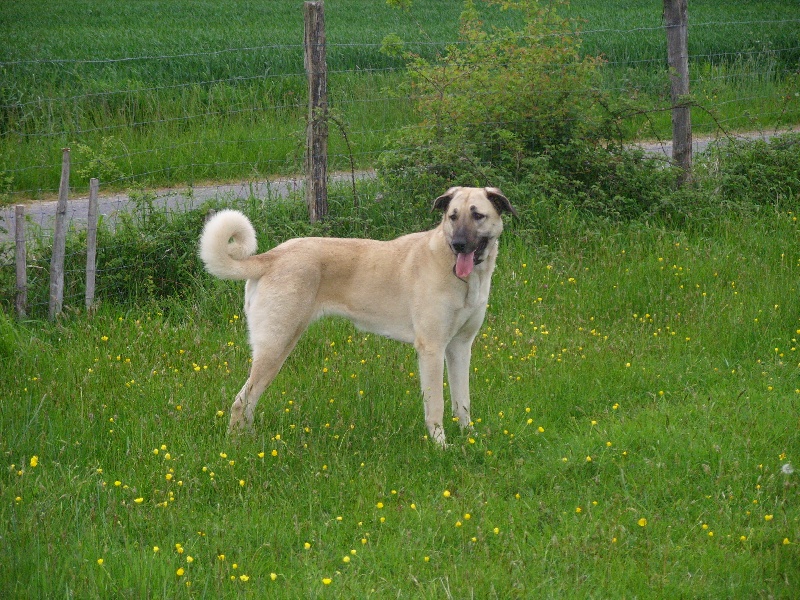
[(334, 45)]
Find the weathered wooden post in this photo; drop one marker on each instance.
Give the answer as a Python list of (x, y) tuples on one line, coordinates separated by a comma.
[(21, 260), (316, 160), (91, 243), (59, 241), (676, 24)]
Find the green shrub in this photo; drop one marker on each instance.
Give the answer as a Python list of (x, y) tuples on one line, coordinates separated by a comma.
[(518, 109), (761, 172)]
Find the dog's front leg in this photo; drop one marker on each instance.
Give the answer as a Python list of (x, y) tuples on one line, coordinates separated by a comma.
[(458, 356), (431, 369)]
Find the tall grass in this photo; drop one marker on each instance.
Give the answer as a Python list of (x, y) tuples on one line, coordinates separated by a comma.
[(217, 91), (635, 396), (635, 402)]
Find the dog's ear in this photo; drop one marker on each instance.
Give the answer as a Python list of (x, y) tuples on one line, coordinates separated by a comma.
[(443, 201), (499, 201)]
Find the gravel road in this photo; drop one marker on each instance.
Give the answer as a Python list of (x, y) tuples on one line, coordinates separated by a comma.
[(43, 213), (109, 206)]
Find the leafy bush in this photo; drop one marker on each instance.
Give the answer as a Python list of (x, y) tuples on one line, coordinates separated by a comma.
[(519, 109), (735, 177), (765, 173)]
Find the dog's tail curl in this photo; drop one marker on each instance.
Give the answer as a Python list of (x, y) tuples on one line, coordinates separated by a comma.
[(227, 241)]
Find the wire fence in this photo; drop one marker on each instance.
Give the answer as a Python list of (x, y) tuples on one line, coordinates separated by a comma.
[(165, 130)]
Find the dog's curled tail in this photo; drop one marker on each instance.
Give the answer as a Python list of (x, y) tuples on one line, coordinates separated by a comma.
[(228, 239)]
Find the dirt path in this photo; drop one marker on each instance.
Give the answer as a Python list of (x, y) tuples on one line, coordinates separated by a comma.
[(43, 213)]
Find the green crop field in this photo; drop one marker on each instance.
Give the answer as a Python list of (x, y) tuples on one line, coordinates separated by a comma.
[(183, 92)]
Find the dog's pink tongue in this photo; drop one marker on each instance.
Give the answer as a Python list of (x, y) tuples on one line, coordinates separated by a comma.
[(464, 264)]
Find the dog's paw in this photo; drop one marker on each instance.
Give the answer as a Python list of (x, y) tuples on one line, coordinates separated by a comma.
[(467, 426), (437, 435), (239, 426)]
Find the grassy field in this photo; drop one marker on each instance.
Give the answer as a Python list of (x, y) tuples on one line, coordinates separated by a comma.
[(184, 92), (635, 396)]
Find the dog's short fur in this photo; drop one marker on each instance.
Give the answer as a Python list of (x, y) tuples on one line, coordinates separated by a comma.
[(429, 289)]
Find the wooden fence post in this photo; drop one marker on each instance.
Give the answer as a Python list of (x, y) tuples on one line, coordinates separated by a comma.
[(676, 22), (21, 259), (316, 166), (91, 243), (59, 241)]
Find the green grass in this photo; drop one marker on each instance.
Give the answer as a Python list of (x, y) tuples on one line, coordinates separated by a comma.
[(207, 113), (624, 372)]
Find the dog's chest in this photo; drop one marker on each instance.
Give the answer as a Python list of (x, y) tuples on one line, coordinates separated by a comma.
[(477, 293), (478, 285)]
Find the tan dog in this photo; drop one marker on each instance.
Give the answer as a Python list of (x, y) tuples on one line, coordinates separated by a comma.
[(429, 289)]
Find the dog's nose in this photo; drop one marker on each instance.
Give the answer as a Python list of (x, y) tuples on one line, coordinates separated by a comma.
[(459, 245)]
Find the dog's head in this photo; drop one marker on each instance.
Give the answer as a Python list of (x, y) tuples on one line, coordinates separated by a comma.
[(472, 222)]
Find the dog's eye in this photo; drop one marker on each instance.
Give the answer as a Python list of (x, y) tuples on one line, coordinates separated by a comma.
[(453, 216), (478, 216)]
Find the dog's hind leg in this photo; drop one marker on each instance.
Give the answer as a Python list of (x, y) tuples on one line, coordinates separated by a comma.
[(268, 358), (262, 372)]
